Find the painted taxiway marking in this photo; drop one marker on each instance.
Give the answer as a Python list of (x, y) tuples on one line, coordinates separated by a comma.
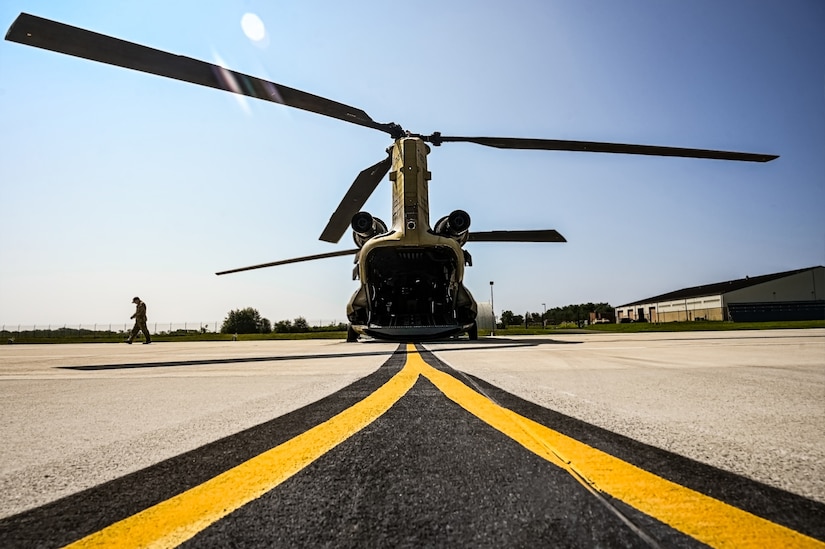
[(706, 519), (178, 519)]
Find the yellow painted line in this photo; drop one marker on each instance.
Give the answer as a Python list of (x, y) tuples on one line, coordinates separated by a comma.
[(704, 518), (178, 519)]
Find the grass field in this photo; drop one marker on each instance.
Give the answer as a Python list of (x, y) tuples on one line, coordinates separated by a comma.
[(103, 337), (108, 337), (637, 327)]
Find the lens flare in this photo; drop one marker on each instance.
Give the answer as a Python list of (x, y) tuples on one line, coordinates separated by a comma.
[(230, 83), (253, 27)]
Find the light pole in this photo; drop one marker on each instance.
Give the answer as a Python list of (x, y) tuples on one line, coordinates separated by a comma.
[(544, 316), (492, 310)]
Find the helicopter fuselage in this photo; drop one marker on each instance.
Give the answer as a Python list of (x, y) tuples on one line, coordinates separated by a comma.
[(411, 276)]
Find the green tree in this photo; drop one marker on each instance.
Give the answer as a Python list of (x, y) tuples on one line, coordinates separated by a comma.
[(300, 325), (578, 313), (283, 326), (245, 321), (507, 318)]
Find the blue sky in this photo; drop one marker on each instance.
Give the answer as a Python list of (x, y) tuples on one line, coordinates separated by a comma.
[(117, 183)]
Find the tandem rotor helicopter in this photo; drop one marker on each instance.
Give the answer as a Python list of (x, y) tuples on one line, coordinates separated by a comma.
[(411, 272)]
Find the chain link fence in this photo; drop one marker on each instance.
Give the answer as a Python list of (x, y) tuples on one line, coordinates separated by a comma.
[(10, 332), (159, 328)]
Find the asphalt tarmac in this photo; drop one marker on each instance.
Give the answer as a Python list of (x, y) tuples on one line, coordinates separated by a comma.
[(575, 440)]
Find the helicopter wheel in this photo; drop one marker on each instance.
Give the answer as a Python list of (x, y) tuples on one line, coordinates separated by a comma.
[(352, 335), (473, 332)]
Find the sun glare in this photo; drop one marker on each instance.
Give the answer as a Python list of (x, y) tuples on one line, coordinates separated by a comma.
[(253, 27)]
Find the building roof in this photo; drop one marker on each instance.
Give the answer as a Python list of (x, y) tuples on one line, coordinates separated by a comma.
[(718, 287)]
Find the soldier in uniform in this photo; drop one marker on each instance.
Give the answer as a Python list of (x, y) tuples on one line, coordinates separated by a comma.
[(140, 322)]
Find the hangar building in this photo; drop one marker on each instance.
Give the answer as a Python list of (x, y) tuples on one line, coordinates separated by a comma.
[(791, 295)]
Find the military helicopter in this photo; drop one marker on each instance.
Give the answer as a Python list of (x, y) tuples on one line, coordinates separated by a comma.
[(411, 272)]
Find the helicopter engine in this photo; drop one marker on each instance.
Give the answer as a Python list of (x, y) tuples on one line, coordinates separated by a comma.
[(456, 226), (365, 226)]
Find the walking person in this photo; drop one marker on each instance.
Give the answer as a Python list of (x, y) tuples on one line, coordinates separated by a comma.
[(140, 322)]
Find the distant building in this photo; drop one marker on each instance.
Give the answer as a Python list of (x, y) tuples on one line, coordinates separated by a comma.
[(792, 295)]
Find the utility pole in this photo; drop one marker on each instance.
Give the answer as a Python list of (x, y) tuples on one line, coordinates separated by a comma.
[(492, 310)]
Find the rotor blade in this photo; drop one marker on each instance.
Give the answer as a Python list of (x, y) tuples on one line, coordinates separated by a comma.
[(546, 235), (51, 35), (293, 260), (595, 146), (354, 200)]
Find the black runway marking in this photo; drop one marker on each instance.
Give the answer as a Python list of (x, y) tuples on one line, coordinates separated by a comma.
[(78, 515), (779, 506), (426, 473)]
